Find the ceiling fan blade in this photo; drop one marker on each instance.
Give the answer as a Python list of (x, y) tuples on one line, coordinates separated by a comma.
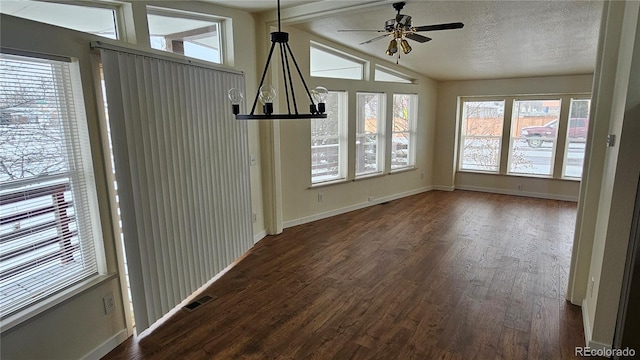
[(417, 37), (447, 26), (374, 39), (362, 31)]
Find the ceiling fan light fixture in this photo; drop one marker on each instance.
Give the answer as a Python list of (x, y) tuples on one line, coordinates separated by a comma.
[(393, 47), (406, 48)]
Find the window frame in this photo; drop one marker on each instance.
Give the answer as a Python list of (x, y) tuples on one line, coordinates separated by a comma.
[(380, 134), (364, 76), (555, 145), (342, 136), (411, 132), (182, 14), (564, 175), (558, 159), (379, 68), (461, 137), (81, 170), (118, 19)]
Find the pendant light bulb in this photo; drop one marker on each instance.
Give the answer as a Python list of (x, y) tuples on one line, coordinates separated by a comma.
[(406, 48), (235, 96), (320, 94), (393, 47), (267, 94)]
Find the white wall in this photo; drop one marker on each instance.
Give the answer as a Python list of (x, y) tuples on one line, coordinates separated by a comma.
[(445, 172), (610, 238), (78, 327)]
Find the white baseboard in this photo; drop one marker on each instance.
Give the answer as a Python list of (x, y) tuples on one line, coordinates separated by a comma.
[(346, 209), (585, 322), (518, 193), (107, 346), (443, 188), (587, 331), (259, 236)]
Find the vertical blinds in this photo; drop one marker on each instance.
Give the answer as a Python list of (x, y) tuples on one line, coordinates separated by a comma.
[(183, 177), (49, 220)]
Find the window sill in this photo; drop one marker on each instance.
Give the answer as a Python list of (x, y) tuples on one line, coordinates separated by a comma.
[(38, 308), (403, 169), (328, 183), (369, 176), (486, 172)]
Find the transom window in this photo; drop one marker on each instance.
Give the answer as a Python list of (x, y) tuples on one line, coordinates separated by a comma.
[(98, 19), (330, 63), (187, 34), (387, 75)]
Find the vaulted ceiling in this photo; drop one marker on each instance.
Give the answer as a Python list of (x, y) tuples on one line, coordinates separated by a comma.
[(500, 39)]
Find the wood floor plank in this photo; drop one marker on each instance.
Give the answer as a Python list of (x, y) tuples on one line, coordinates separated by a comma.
[(438, 275)]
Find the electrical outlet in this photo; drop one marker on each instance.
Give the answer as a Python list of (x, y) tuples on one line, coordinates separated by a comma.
[(422, 176), (252, 160), (320, 197), (519, 186), (254, 217), (370, 198), (109, 303)]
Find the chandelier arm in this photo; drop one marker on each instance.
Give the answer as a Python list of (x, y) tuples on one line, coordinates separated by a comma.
[(300, 73), (284, 77), (293, 92), (264, 73)]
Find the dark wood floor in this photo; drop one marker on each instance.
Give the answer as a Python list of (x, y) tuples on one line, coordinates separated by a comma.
[(439, 275)]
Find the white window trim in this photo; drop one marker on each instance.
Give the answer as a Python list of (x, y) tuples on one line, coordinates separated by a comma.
[(413, 127), (343, 132), (225, 59), (389, 71), (381, 136), (557, 165), (365, 64)]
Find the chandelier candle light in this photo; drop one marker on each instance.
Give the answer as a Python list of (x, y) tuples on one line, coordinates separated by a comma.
[(267, 93)]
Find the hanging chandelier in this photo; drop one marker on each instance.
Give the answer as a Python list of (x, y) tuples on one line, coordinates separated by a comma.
[(266, 93)]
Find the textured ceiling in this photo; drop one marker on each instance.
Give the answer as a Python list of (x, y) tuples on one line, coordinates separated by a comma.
[(501, 39)]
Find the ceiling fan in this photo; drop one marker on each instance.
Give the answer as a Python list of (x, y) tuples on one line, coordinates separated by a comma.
[(401, 30)]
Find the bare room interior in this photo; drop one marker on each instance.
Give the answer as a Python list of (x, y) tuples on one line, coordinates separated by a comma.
[(319, 179)]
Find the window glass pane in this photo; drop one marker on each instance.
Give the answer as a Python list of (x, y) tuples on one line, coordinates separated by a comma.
[(93, 20), (196, 38), (369, 133), (328, 136), (332, 65), (404, 120), (482, 123), (388, 76), (45, 182), (576, 138), (534, 130)]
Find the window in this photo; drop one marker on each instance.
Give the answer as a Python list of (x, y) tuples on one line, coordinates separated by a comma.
[(186, 34), (90, 19), (48, 220), (388, 75), (326, 62), (328, 140), (534, 130), (576, 138), (405, 108), (369, 133), (481, 138)]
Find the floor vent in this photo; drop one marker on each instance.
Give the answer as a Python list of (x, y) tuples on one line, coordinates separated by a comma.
[(203, 300)]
